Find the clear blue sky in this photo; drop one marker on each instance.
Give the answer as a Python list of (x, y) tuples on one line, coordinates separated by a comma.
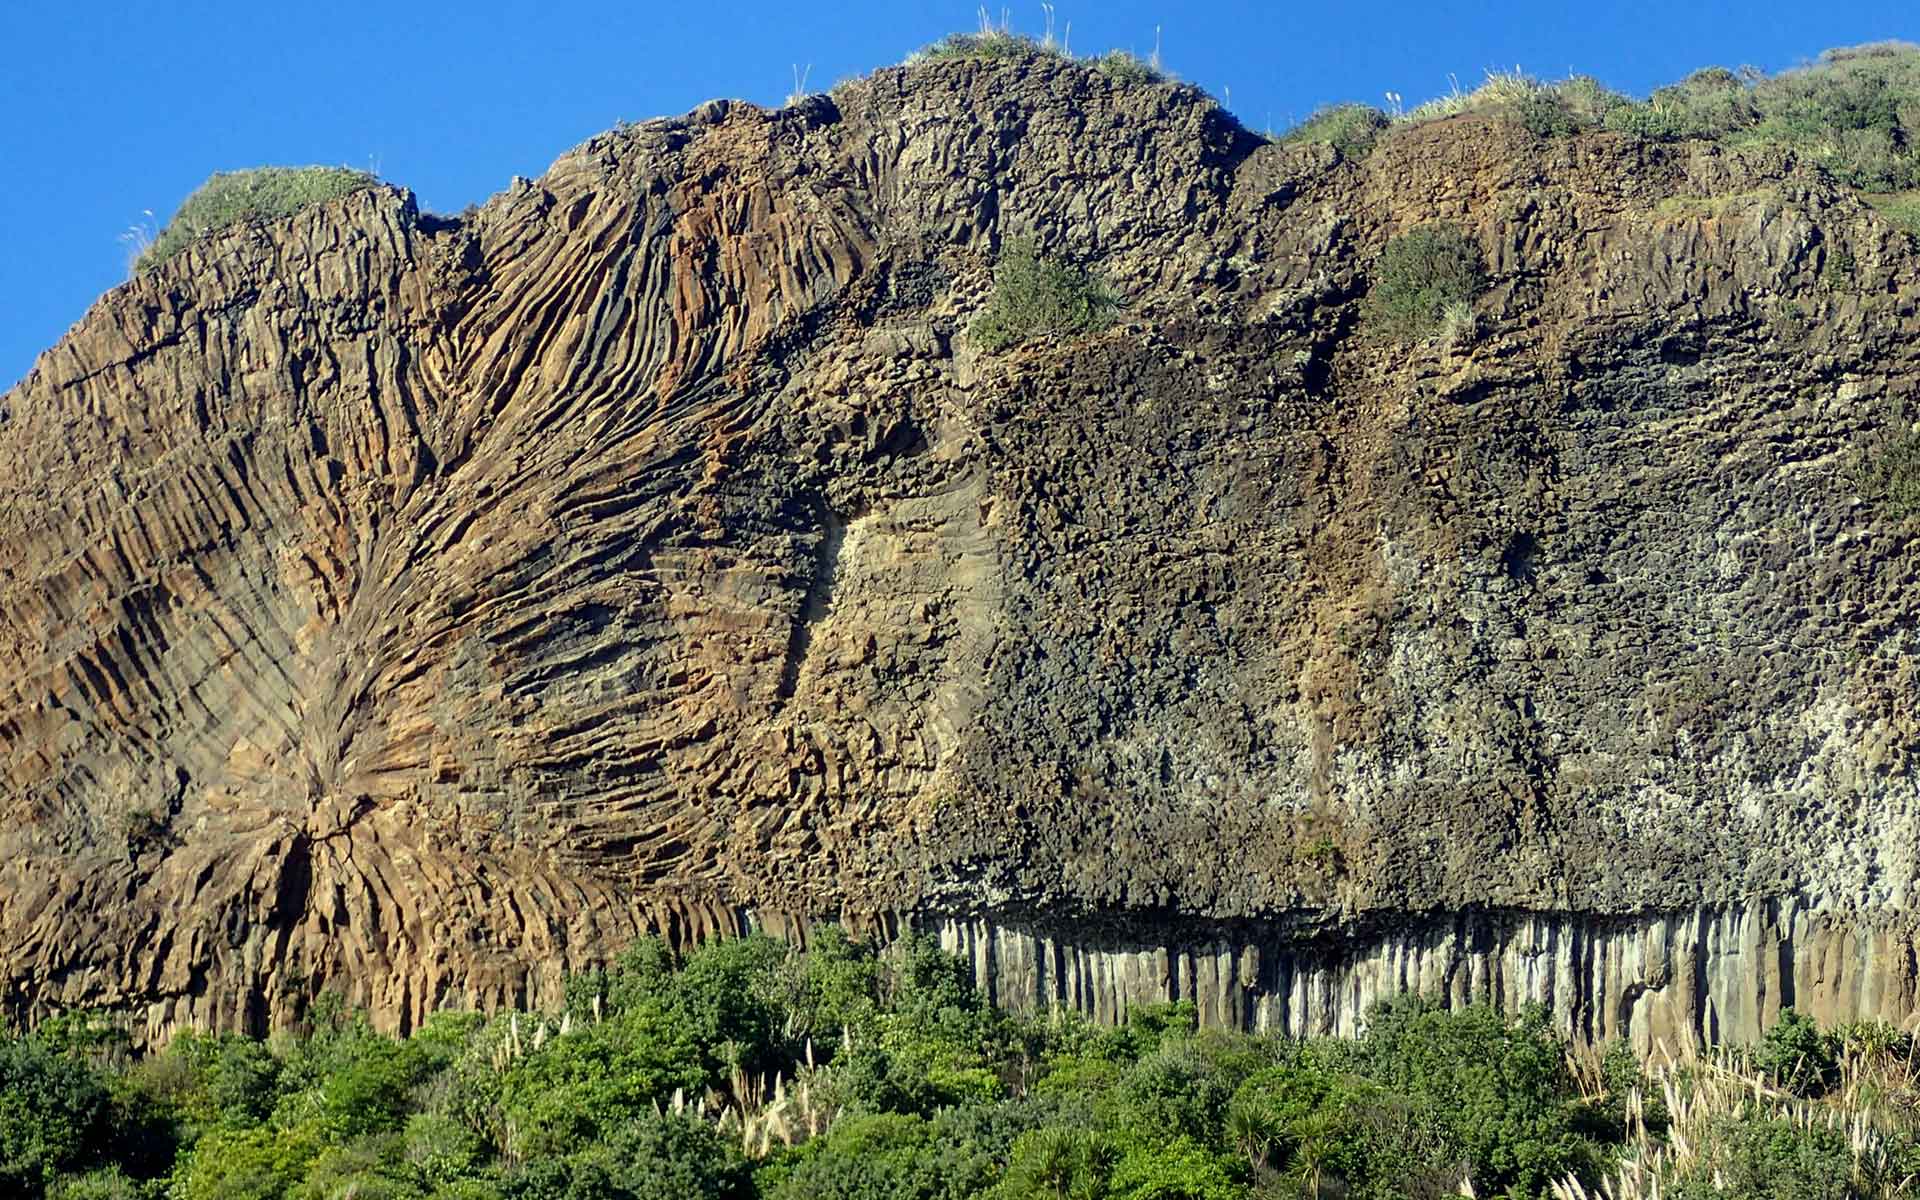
[(111, 109)]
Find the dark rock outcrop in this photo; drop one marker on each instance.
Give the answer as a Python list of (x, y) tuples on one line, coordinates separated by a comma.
[(424, 608)]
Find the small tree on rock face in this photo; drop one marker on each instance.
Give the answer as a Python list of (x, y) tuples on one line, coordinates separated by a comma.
[(1420, 274), (1034, 296)]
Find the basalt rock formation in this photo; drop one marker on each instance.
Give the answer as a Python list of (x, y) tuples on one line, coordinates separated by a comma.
[(423, 608)]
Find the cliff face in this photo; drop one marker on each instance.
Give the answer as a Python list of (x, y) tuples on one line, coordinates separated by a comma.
[(424, 608)]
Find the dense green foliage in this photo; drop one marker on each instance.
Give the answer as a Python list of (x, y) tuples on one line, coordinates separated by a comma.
[(1035, 296), (263, 192), (748, 1069), (1421, 274)]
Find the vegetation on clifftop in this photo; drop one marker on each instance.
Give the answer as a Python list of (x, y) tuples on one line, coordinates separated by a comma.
[(998, 42), (750, 1069), (257, 194), (1349, 128), (1855, 111)]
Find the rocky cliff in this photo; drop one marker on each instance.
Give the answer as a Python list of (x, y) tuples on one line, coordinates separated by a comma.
[(424, 607)]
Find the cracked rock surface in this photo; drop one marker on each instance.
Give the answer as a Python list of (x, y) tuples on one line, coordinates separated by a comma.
[(423, 608)]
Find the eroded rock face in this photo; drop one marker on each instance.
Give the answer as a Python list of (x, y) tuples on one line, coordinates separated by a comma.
[(423, 609)]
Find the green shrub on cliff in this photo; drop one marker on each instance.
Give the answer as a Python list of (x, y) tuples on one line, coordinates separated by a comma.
[(989, 43), (1889, 470), (1709, 103), (1419, 275), (258, 194), (1544, 109), (1856, 112), (1351, 129), (1122, 66), (1035, 296)]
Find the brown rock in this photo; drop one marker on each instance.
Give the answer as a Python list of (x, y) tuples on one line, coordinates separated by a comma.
[(425, 608)]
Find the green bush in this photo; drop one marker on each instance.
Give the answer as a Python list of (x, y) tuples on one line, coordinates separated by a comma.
[(1177, 1170), (1058, 1162), (1543, 109), (1352, 129), (258, 194), (1184, 1088), (1541, 114), (988, 44), (1709, 103), (233, 1080), (973, 1144), (1889, 470), (580, 1086), (108, 1183), (442, 1147), (1123, 67), (870, 1157), (833, 988), (348, 1080), (657, 1156), (54, 1114), (1757, 1158), (1419, 274), (246, 1164), (1587, 102), (1856, 112), (1798, 1055), (1319, 1125), (1495, 1086), (1034, 296), (369, 1168)]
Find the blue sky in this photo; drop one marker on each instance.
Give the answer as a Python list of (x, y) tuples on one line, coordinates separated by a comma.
[(111, 110)]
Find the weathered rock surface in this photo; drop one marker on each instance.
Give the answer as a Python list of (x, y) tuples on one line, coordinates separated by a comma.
[(424, 608)]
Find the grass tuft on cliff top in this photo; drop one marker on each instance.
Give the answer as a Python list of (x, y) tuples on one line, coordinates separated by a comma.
[(1350, 129), (1544, 109), (1855, 111), (988, 43), (261, 193), (1902, 209), (1000, 44)]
